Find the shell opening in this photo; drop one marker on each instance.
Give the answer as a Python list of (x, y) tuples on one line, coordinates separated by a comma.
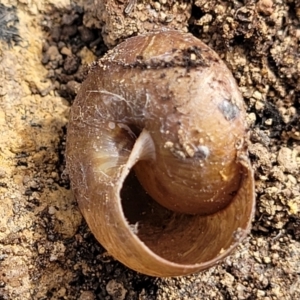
[(182, 238)]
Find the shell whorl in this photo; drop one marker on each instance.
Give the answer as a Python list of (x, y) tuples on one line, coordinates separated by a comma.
[(167, 106)]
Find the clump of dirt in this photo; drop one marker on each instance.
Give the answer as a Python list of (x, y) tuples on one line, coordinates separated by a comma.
[(46, 249)]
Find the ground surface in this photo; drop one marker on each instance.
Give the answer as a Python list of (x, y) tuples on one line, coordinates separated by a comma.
[(46, 249)]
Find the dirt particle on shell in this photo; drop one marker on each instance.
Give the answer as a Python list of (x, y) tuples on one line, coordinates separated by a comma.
[(202, 152)]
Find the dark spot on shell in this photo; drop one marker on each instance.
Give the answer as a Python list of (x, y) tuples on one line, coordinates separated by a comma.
[(233, 193), (229, 110)]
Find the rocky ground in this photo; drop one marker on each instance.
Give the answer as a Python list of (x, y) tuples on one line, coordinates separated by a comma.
[(46, 249)]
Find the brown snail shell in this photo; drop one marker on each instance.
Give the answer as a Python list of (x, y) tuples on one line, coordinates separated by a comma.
[(165, 104)]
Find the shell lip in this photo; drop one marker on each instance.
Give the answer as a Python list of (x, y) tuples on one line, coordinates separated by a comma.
[(178, 269)]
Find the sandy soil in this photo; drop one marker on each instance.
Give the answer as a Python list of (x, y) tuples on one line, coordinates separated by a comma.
[(46, 249)]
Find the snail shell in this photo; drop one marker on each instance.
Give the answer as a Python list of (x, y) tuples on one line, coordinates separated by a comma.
[(166, 105)]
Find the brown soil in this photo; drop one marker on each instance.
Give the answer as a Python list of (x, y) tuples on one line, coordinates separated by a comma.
[(46, 249)]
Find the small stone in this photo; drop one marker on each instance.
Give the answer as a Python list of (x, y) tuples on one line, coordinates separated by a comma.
[(294, 206), (259, 105), (257, 95), (69, 30), (116, 290), (287, 158), (86, 34), (66, 51), (162, 16), (69, 19), (228, 279), (265, 7), (52, 210), (72, 87), (55, 33), (71, 64), (157, 6), (260, 294), (87, 295), (269, 122), (52, 53)]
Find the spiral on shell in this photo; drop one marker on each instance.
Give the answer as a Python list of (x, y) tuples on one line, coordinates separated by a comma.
[(164, 105)]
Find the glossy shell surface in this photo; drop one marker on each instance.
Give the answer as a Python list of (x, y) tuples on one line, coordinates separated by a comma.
[(165, 105)]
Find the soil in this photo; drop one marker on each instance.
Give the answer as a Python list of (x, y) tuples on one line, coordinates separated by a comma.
[(46, 248)]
